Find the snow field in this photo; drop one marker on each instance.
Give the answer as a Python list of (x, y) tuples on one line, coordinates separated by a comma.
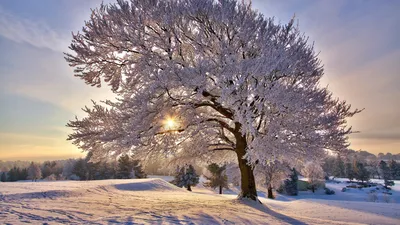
[(155, 201)]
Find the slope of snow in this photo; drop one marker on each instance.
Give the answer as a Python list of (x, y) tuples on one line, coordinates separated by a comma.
[(155, 201)]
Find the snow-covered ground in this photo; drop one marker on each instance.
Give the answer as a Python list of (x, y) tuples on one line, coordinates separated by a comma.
[(155, 201)]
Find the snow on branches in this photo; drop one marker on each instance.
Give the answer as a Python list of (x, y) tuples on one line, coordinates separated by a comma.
[(235, 80)]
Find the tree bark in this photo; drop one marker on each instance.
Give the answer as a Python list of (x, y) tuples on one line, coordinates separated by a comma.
[(270, 194), (188, 188), (220, 189), (248, 184)]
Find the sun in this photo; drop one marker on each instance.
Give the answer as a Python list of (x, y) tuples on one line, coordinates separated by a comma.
[(170, 123)]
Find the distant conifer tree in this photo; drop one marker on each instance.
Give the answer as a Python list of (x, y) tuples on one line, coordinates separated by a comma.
[(218, 177), (290, 185), (186, 177), (3, 177)]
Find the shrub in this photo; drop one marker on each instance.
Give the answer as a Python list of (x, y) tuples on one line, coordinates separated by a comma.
[(329, 191)]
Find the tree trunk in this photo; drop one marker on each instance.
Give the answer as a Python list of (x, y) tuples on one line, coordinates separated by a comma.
[(270, 194), (313, 188), (248, 184), (220, 190), (188, 188)]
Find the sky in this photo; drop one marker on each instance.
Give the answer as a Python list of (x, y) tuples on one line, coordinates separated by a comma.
[(357, 41)]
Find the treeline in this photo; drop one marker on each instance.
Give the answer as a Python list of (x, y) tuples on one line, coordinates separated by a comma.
[(361, 168), (76, 169)]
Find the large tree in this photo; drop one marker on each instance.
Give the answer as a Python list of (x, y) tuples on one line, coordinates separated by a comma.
[(202, 78)]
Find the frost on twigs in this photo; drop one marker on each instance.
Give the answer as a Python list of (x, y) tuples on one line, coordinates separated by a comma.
[(236, 81)]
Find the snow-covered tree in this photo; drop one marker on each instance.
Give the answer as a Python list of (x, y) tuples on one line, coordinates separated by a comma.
[(272, 175), (68, 168), (199, 78), (216, 176), (314, 173), (186, 177), (34, 172)]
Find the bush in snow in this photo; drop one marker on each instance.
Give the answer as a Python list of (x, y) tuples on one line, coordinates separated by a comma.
[(329, 191), (186, 177)]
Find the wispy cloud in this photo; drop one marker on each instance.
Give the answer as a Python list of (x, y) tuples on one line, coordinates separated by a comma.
[(35, 33)]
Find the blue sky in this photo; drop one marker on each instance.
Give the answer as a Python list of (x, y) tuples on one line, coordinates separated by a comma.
[(357, 40)]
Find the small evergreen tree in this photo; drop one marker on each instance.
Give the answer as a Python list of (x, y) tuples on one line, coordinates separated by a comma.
[(350, 173), (386, 174), (218, 177), (13, 174), (80, 169), (290, 185), (138, 169), (362, 173), (129, 168), (3, 177), (125, 167), (339, 167), (186, 177), (394, 169), (23, 174)]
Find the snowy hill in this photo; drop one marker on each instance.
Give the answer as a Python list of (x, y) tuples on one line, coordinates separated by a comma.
[(155, 201)]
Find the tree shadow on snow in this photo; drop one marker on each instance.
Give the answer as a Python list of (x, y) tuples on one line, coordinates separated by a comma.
[(271, 212), (37, 195), (146, 185)]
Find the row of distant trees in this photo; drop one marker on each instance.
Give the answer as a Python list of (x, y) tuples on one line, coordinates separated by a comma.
[(361, 169), (76, 169)]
